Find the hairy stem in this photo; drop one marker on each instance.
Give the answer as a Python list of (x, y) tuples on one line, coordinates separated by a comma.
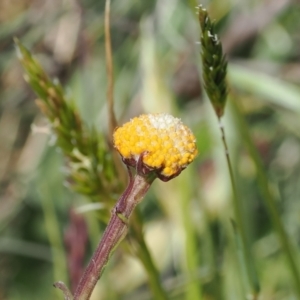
[(113, 235)]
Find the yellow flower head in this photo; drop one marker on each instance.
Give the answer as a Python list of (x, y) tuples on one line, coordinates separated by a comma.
[(164, 142)]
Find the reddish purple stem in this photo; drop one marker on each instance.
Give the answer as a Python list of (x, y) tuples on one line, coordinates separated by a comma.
[(114, 233)]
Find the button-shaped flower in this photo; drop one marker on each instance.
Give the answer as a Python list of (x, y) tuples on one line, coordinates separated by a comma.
[(160, 141)]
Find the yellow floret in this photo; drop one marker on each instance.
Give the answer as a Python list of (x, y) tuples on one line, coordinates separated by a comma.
[(165, 142)]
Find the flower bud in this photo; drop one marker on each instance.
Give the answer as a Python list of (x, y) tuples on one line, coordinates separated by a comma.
[(159, 142)]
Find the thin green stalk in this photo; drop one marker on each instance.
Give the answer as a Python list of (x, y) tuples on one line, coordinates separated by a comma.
[(109, 70), (144, 255), (214, 65), (193, 290), (268, 198), (215, 231), (240, 229)]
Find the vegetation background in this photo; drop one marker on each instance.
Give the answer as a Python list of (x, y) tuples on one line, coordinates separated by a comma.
[(189, 220)]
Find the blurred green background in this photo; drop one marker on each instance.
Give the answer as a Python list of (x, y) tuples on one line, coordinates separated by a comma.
[(188, 221)]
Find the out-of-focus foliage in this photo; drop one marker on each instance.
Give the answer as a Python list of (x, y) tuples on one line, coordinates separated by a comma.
[(157, 65)]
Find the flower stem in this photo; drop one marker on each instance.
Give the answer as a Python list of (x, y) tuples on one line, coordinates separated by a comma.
[(246, 253), (113, 235)]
